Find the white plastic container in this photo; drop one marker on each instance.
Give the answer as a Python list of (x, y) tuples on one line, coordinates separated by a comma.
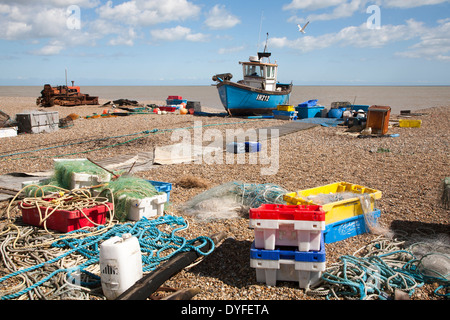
[(85, 180), (120, 264), (147, 207), (303, 234)]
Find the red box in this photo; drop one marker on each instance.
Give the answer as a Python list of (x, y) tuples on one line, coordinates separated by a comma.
[(288, 212), (174, 98), (66, 221)]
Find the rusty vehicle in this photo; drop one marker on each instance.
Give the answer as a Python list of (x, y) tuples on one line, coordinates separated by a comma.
[(64, 96)]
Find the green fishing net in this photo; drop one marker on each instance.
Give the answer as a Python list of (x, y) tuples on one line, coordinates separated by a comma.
[(62, 177), (123, 190)]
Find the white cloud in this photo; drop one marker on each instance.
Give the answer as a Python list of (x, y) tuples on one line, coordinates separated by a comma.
[(147, 13), (411, 3), (312, 4), (177, 33), (434, 43), (51, 49), (230, 50), (353, 36), (220, 18)]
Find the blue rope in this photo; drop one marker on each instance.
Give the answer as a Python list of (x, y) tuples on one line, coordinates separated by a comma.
[(156, 246)]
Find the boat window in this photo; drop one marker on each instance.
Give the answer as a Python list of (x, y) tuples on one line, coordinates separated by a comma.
[(270, 72), (254, 71)]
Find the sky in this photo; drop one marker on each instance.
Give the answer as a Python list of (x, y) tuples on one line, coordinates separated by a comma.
[(186, 42)]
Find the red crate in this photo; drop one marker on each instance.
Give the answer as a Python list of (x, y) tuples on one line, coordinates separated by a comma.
[(288, 212), (168, 109), (66, 221), (174, 98)]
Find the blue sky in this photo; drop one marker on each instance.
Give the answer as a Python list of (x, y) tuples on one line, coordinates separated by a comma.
[(185, 42)]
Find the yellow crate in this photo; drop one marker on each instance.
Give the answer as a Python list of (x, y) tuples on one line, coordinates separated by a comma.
[(285, 107), (338, 210), (408, 123)]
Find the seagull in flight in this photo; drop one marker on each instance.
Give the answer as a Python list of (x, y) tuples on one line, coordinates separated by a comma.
[(302, 30)]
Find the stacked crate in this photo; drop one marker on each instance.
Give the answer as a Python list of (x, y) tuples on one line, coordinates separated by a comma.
[(289, 243)]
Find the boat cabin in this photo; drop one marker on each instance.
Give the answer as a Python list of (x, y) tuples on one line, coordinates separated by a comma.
[(260, 74)]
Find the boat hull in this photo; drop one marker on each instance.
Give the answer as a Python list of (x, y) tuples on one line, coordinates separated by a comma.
[(241, 100)]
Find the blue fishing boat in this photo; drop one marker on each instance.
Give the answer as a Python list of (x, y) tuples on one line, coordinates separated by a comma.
[(258, 93)]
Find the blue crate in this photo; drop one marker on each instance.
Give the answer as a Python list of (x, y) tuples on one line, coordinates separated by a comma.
[(357, 107), (309, 112), (162, 187), (309, 103), (290, 253), (347, 228), (252, 146), (284, 113)]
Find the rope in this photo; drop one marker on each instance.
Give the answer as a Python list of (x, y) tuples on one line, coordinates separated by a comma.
[(384, 268), (156, 246)]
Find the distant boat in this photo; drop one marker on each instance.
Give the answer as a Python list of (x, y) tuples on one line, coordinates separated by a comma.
[(258, 93)]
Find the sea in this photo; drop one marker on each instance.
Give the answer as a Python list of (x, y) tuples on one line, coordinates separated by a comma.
[(397, 97)]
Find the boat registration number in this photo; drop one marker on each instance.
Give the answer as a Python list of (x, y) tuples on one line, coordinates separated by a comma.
[(262, 97)]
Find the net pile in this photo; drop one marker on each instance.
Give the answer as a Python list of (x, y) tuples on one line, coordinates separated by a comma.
[(231, 199)]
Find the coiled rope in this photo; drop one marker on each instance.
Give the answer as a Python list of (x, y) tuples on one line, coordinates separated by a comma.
[(384, 268), (156, 246)]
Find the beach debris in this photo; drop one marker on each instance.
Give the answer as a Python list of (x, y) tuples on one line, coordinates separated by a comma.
[(64, 96), (190, 181), (5, 120)]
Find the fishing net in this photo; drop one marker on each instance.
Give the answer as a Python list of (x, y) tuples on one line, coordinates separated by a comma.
[(231, 200), (432, 254), (62, 177), (64, 170), (124, 189)]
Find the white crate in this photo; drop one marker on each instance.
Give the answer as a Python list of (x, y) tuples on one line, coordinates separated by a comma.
[(38, 121), (304, 234), (305, 273), (8, 132), (85, 180), (147, 207)]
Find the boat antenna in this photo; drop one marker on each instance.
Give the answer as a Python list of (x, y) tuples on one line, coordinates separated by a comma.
[(260, 28), (267, 39)]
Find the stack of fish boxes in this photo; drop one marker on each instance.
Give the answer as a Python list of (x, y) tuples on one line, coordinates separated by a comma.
[(289, 243)]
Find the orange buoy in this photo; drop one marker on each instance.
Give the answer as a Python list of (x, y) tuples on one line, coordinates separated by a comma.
[(183, 111)]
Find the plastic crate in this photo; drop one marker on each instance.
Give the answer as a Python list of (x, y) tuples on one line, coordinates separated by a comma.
[(147, 208), (287, 225), (348, 228), (288, 265), (168, 109), (309, 112), (174, 98), (285, 107), (408, 123), (162, 187), (85, 180), (337, 210), (252, 146), (236, 147), (284, 113), (66, 221)]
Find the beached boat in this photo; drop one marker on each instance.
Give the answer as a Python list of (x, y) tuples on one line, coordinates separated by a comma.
[(258, 93)]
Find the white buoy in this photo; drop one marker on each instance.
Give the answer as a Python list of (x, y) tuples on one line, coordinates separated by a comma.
[(120, 264)]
